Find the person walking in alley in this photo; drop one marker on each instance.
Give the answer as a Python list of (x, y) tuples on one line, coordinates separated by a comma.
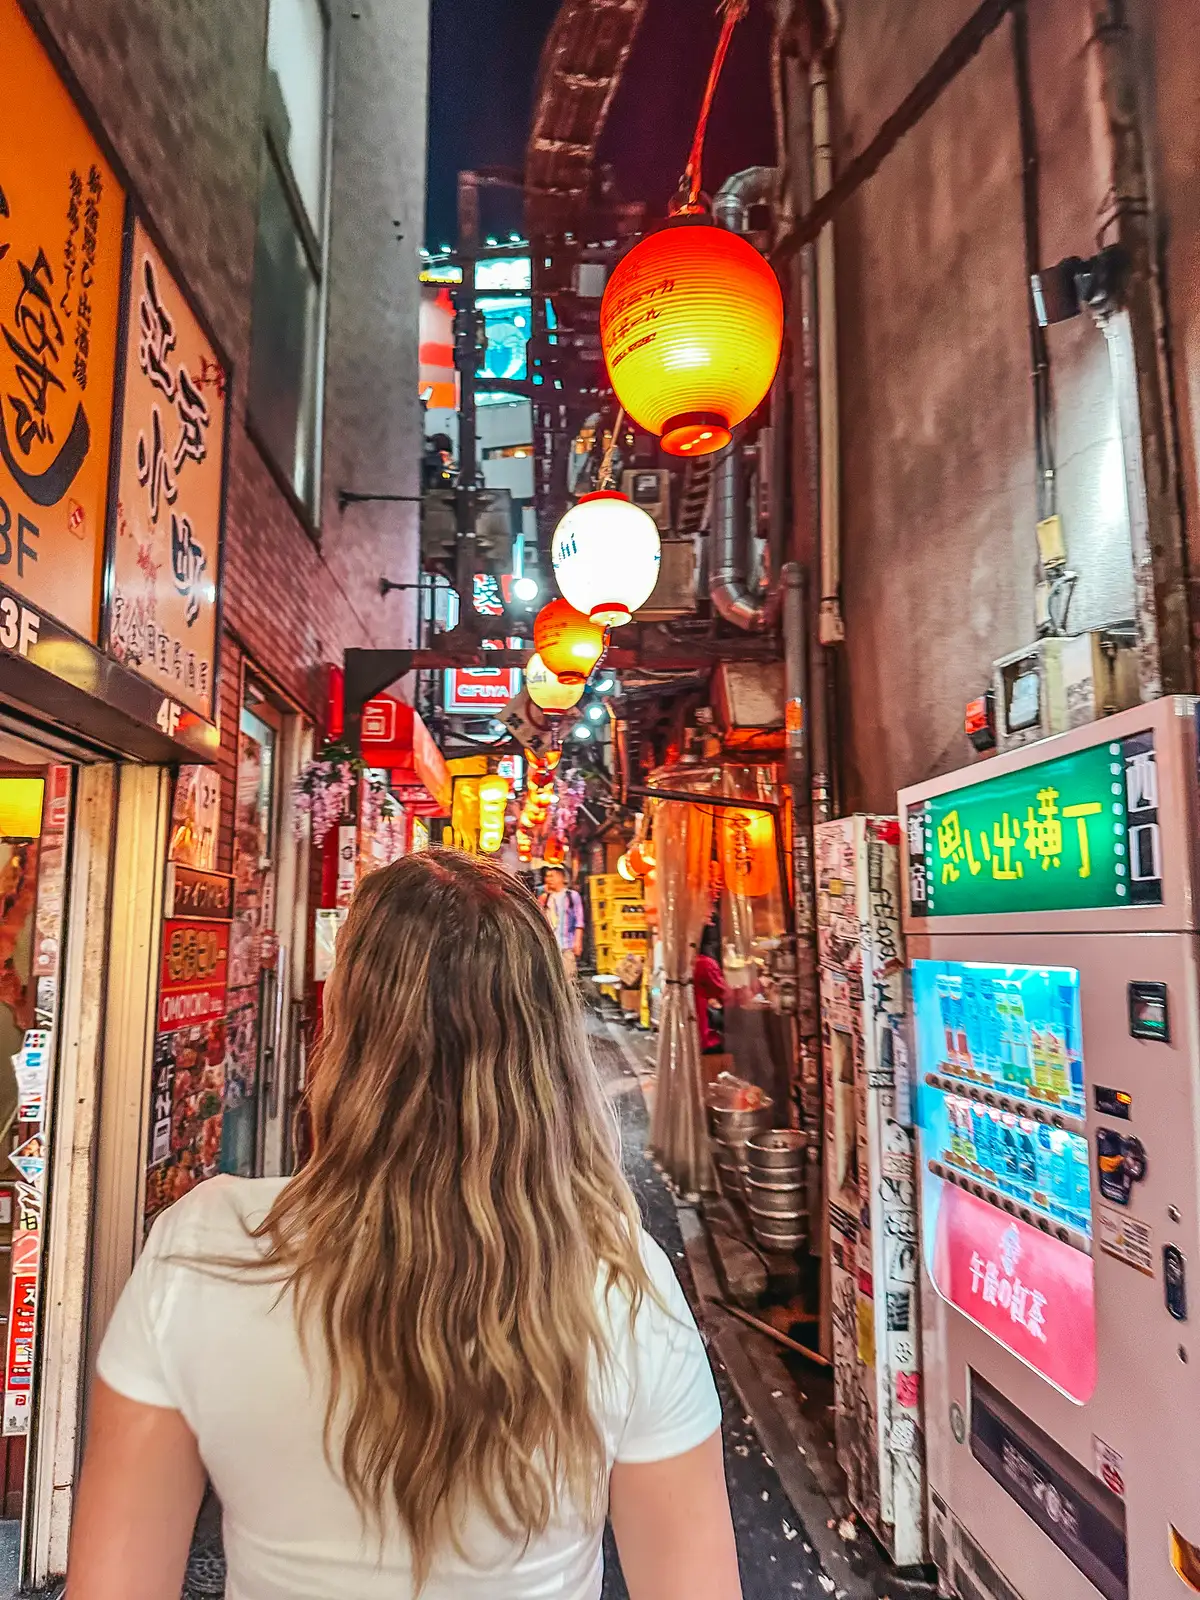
[(708, 982), (564, 913), (432, 1361)]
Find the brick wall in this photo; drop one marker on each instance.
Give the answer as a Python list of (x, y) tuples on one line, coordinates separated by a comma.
[(178, 92)]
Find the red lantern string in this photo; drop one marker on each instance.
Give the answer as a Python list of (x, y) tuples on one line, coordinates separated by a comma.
[(734, 11)]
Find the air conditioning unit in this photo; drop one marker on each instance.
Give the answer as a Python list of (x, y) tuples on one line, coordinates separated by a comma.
[(675, 592), (1058, 684), (652, 492)]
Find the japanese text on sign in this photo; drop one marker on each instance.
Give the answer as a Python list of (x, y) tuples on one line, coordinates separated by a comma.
[(61, 220), (1077, 832), (169, 508)]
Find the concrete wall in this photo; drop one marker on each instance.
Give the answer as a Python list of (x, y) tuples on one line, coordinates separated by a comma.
[(937, 415), (178, 89)]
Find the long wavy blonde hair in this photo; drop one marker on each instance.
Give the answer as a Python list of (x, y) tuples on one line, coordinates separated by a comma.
[(463, 1202)]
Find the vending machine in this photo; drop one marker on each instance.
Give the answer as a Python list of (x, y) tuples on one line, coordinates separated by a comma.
[(1051, 931), (870, 1180)]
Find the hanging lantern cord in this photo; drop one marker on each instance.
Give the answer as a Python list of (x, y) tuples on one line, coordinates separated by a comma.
[(606, 478), (688, 199)]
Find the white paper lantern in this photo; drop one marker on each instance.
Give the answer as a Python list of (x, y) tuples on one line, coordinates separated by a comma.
[(606, 552)]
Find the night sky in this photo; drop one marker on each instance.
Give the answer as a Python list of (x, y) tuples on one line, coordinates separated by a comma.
[(484, 58)]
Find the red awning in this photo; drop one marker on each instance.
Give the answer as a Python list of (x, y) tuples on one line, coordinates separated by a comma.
[(396, 740)]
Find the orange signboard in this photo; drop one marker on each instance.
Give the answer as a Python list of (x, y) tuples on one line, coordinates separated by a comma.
[(167, 546), (62, 216)]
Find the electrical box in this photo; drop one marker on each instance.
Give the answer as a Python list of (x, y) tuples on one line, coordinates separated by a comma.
[(675, 592), (652, 492), (1062, 683)]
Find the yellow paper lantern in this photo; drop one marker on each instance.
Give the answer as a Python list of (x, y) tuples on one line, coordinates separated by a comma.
[(548, 691), (493, 804)]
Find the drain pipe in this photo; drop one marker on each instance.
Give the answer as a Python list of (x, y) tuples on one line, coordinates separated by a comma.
[(831, 629), (733, 208), (728, 585)]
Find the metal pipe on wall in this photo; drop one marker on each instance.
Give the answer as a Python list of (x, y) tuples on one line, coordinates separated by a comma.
[(831, 629), (728, 582), (734, 208)]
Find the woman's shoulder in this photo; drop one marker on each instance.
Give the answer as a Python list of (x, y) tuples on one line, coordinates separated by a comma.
[(215, 1217)]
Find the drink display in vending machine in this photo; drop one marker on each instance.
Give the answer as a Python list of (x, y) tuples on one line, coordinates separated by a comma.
[(1050, 924)]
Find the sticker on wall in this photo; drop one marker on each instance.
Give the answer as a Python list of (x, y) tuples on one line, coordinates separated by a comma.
[(30, 1160), (902, 1441), (908, 1390), (30, 1066), (1125, 1238), (1109, 1466), (866, 1332)]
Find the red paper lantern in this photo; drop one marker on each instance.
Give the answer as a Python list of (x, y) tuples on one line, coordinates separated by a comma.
[(568, 642), (641, 857), (692, 326)]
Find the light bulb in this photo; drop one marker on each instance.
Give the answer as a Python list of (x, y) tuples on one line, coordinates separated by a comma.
[(525, 588), (582, 731)]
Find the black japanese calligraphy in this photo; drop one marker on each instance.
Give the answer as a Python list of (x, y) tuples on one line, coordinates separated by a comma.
[(154, 469), (157, 338), (193, 421), (33, 340), (188, 563)]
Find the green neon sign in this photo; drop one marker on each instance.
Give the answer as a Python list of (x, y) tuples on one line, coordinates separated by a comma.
[(1076, 833)]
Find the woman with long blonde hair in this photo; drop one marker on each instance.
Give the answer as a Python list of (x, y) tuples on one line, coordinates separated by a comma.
[(433, 1361)]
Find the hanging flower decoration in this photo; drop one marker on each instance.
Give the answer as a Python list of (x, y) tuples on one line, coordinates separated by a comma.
[(322, 790)]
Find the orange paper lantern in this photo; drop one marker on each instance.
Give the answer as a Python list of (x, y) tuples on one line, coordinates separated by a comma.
[(692, 326), (568, 642)]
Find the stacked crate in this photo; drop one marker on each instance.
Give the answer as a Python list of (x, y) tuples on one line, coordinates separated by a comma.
[(618, 921)]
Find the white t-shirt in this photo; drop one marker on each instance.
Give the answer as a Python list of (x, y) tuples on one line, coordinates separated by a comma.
[(226, 1354)]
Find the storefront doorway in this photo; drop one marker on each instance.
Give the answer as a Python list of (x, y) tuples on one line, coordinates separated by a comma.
[(266, 952), (35, 820)]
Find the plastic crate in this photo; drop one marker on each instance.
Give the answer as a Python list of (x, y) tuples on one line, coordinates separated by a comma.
[(613, 886)]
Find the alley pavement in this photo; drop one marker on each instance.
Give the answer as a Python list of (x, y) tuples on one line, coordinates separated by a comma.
[(777, 1560)]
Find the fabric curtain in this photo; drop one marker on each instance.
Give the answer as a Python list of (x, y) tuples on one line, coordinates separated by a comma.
[(678, 1128)]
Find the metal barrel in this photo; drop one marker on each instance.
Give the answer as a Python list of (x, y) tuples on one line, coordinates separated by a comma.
[(775, 1184), (779, 1156)]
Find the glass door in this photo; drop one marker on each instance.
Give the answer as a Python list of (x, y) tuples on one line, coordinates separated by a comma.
[(253, 1001)]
